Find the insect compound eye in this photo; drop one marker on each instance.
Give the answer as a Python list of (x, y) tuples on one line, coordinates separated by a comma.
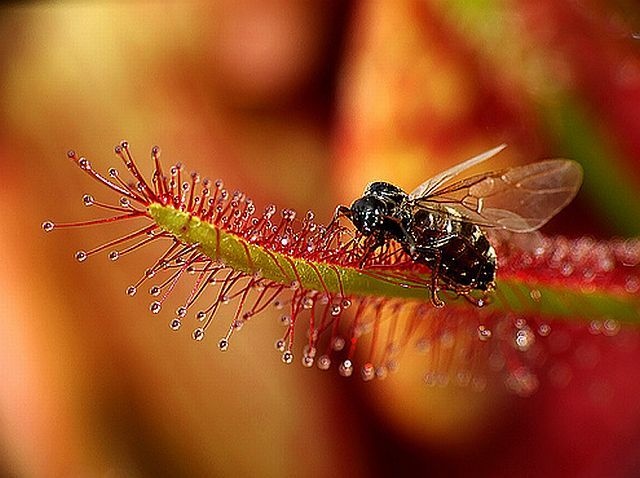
[(367, 214)]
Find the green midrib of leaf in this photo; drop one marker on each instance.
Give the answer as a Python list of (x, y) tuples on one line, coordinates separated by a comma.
[(556, 301)]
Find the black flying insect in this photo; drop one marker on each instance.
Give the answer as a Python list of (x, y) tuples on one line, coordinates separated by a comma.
[(442, 223)]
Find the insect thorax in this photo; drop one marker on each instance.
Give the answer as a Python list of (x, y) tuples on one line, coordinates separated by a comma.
[(380, 205)]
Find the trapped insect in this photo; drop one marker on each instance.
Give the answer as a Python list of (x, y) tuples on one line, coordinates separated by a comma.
[(362, 309), (441, 223)]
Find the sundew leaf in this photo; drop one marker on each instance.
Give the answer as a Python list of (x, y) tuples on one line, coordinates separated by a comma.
[(352, 310), (564, 296)]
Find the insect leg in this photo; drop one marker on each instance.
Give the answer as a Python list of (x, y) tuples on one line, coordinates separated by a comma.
[(407, 239), (435, 300), (411, 243), (371, 244), (341, 210)]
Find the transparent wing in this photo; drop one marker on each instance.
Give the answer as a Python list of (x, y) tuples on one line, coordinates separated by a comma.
[(519, 199), (431, 185)]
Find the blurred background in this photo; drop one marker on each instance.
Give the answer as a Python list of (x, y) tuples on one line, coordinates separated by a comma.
[(299, 103)]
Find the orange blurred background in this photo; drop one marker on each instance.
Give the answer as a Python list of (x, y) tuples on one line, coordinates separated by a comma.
[(299, 103)]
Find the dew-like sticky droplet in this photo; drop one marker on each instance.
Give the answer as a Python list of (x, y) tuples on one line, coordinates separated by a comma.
[(84, 163), (338, 344), (154, 291), (463, 378), (287, 357), (198, 334), (484, 333), (223, 344), (324, 362), (524, 339), (423, 345), (175, 324), (382, 372), (81, 256), (48, 226), (181, 311), (131, 291), (523, 382), (611, 327), (535, 294), (544, 330), (368, 372), (88, 200), (346, 368), (155, 307), (114, 255), (269, 211), (429, 379), (307, 361), (279, 345)]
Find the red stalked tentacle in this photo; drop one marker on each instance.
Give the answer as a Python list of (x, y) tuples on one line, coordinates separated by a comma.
[(369, 313)]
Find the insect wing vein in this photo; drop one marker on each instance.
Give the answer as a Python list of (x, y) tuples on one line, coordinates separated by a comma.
[(431, 185), (519, 199)]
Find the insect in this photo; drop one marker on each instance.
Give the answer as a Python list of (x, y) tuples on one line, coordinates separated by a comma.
[(442, 223)]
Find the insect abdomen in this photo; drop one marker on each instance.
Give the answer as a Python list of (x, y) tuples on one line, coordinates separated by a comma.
[(467, 259)]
